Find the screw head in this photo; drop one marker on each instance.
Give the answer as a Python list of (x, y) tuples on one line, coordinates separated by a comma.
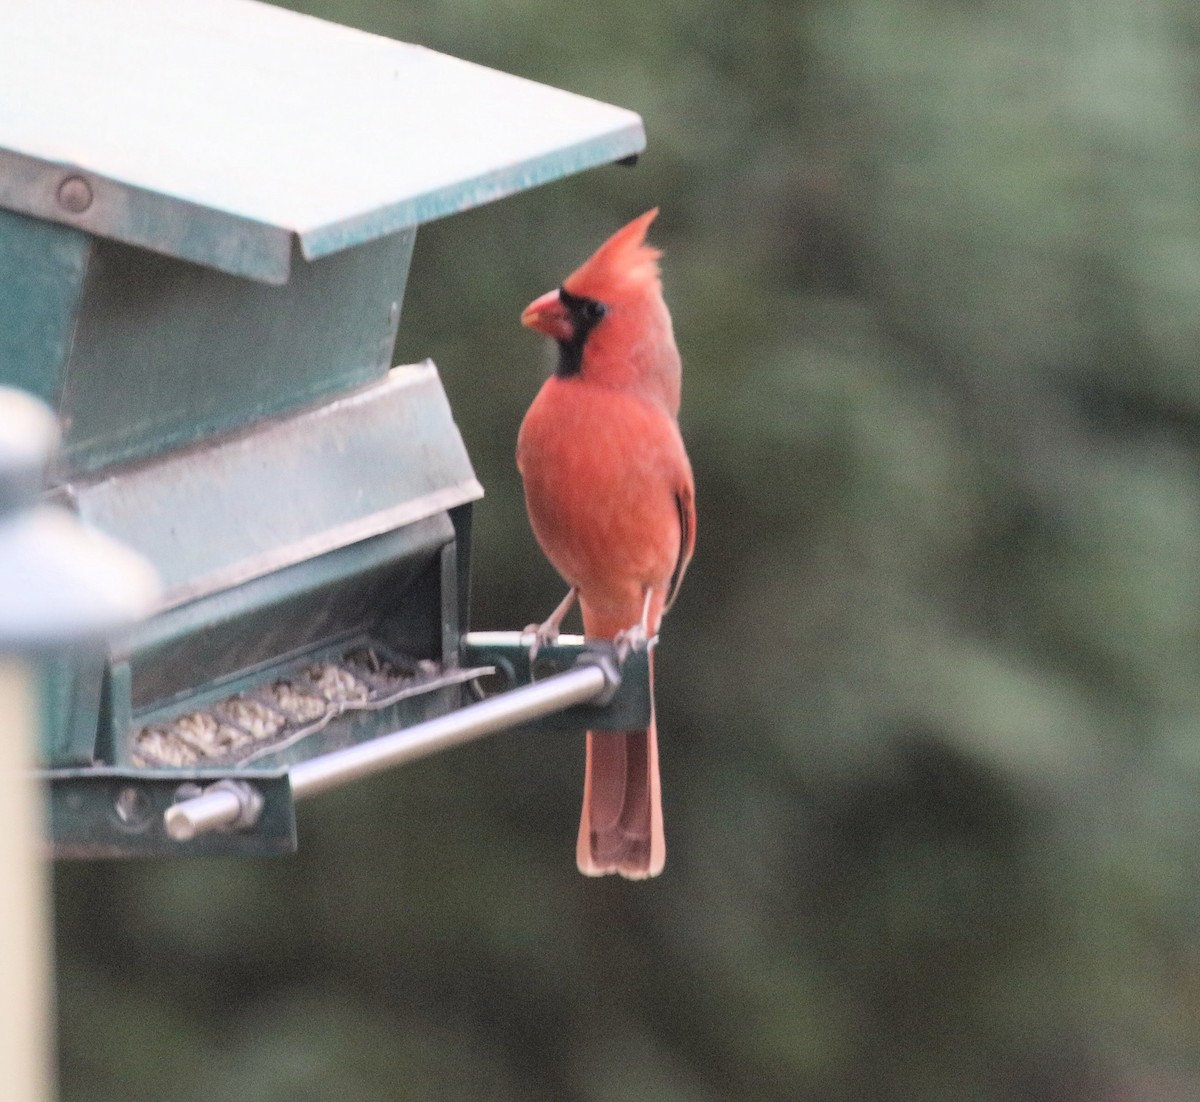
[(133, 808), (75, 194)]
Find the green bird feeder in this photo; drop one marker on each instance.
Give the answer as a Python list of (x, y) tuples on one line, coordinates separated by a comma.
[(207, 213)]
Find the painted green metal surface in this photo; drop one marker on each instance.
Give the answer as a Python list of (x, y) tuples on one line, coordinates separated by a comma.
[(71, 689), (288, 489), (166, 352), (41, 276), (220, 131), (103, 812)]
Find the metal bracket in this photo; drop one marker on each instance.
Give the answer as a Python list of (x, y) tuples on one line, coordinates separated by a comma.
[(99, 811), (626, 707), (230, 804), (573, 686)]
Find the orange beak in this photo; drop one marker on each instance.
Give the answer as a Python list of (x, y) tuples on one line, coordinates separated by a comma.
[(548, 315)]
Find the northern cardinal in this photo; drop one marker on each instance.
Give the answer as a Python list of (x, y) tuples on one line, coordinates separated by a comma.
[(611, 500)]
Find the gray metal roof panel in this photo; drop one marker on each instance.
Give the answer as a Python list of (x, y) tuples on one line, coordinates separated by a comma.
[(218, 130)]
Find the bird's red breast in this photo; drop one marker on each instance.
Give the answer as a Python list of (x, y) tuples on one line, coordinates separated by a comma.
[(604, 472)]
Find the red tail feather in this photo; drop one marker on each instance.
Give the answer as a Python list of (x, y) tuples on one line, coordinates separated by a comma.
[(621, 828)]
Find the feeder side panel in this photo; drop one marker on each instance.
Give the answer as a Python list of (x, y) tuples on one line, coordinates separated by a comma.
[(42, 269), (169, 352), (284, 613)]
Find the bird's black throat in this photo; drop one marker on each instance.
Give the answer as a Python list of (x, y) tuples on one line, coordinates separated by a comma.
[(586, 314)]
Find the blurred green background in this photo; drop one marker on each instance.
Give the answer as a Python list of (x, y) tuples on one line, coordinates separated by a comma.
[(930, 701)]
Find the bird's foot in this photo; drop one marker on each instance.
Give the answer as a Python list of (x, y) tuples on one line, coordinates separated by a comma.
[(547, 632), (544, 635), (630, 640)]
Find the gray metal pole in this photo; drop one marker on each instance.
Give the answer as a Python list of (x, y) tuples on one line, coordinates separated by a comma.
[(213, 810), (24, 902), (58, 585), (585, 682), (222, 805)]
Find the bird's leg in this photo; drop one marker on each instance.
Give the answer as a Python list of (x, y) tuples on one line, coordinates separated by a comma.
[(548, 630), (638, 636)]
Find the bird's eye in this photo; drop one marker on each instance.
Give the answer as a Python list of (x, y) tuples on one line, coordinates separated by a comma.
[(594, 310)]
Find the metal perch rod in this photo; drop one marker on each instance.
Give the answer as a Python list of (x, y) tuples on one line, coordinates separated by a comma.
[(236, 803)]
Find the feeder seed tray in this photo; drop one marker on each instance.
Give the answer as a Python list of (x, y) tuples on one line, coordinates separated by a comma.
[(267, 719)]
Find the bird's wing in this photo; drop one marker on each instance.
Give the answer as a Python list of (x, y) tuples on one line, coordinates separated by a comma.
[(685, 503)]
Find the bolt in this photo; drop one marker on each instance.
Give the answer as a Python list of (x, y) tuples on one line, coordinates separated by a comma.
[(133, 808), (226, 805), (75, 194)]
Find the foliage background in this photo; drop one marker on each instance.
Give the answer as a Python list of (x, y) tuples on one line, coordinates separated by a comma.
[(931, 700)]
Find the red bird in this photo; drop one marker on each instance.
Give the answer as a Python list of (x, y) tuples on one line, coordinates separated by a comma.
[(611, 500)]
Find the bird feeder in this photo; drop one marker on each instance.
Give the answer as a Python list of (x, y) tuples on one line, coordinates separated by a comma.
[(207, 212)]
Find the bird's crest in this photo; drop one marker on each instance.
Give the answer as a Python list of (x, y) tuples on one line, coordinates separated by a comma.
[(624, 260)]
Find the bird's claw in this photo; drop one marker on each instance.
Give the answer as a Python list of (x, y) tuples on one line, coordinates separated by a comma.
[(629, 641), (544, 635)]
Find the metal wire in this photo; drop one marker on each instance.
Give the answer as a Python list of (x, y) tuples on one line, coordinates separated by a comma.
[(267, 719)]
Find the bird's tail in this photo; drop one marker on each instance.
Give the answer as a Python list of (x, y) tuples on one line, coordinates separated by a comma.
[(621, 829)]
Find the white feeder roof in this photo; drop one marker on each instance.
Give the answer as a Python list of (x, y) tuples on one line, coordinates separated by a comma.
[(218, 131)]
